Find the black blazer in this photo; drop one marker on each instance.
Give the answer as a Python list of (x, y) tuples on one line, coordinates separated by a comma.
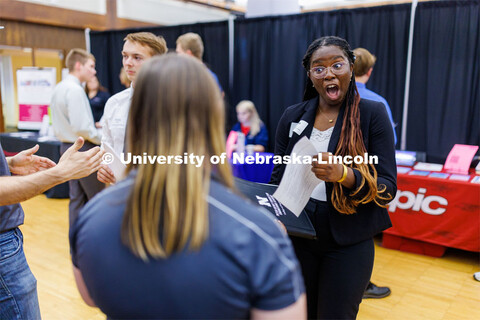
[(370, 219)]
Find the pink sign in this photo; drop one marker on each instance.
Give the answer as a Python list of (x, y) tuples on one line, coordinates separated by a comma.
[(231, 140), (459, 158), (32, 112)]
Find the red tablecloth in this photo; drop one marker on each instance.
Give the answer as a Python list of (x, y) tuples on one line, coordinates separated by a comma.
[(439, 211)]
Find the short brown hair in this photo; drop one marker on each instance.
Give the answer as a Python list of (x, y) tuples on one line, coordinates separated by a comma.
[(77, 55), (157, 44), (363, 62), (191, 41)]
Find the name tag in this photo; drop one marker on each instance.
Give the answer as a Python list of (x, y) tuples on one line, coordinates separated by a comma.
[(297, 127)]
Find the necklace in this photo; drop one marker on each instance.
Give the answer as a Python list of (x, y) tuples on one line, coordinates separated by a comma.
[(329, 120)]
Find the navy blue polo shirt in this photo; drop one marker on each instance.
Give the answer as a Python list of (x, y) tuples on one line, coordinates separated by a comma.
[(246, 262), (11, 216)]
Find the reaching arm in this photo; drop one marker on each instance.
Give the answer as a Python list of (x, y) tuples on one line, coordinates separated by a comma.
[(26, 162), (20, 188), (72, 165)]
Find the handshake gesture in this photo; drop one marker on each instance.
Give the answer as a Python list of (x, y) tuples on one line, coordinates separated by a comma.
[(37, 174)]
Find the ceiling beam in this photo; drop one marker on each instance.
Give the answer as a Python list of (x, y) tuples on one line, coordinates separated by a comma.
[(223, 5), (360, 5), (53, 16)]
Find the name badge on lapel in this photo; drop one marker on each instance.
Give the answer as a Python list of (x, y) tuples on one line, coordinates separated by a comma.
[(297, 127)]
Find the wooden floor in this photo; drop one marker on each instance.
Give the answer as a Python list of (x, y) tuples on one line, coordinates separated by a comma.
[(422, 287)]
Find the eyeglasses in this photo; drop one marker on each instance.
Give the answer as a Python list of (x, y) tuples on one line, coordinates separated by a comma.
[(337, 68)]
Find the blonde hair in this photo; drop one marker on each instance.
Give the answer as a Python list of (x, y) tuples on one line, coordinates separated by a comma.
[(157, 44), (176, 109), (364, 60), (191, 41), (255, 122), (77, 55)]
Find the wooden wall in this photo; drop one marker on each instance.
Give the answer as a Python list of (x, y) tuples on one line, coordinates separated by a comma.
[(53, 16), (32, 35), (40, 26)]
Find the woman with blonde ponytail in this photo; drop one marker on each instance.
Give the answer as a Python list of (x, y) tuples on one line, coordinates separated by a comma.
[(347, 208), (172, 240)]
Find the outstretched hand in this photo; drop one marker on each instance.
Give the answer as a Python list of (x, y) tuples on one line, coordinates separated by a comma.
[(26, 162), (75, 164)]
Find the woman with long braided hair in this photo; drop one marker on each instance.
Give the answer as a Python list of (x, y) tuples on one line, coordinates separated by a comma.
[(347, 208)]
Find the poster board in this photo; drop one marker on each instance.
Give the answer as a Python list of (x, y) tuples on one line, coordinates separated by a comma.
[(34, 91)]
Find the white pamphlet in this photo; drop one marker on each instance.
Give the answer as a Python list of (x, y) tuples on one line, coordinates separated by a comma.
[(475, 179), (460, 177), (403, 169), (117, 166), (424, 166), (298, 180)]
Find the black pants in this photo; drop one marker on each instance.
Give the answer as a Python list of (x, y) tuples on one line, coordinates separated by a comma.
[(81, 190), (335, 276)]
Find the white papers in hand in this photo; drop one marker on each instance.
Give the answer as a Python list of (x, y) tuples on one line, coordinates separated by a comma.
[(117, 166), (298, 181)]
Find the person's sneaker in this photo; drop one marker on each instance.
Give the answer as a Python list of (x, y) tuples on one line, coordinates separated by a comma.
[(476, 276), (375, 292)]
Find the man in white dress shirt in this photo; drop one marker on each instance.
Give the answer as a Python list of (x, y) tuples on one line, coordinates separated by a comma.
[(138, 48), (72, 117)]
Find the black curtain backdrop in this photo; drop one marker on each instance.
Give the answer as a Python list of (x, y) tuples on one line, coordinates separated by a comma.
[(107, 47), (269, 51), (444, 101), (444, 97)]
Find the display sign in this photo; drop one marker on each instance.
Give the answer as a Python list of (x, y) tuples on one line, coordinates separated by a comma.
[(459, 158), (231, 141), (34, 87)]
